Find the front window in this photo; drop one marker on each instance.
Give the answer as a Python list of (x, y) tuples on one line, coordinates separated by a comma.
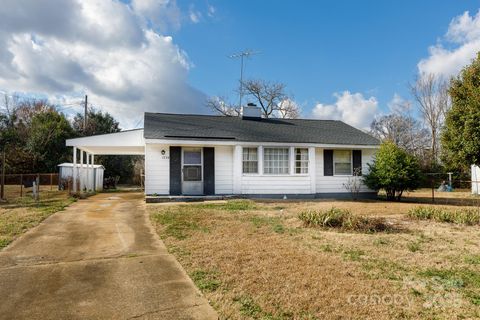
[(275, 161), (301, 160), (342, 160), (250, 160)]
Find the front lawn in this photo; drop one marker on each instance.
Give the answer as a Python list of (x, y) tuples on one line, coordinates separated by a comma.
[(258, 260), (20, 214)]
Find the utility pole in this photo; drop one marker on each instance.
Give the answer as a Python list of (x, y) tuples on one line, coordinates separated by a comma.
[(85, 114), (241, 55), (2, 187)]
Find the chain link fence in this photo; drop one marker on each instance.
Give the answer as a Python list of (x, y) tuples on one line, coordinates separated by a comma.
[(19, 185)]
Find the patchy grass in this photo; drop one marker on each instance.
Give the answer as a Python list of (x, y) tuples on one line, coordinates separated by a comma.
[(472, 259), (455, 279), (180, 223), (467, 216), (21, 214), (232, 205), (353, 254), (262, 263), (413, 246), (205, 280), (344, 220)]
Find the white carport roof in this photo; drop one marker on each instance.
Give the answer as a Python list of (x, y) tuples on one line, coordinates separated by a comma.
[(129, 142)]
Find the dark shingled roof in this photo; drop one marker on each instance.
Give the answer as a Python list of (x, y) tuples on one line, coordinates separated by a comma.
[(203, 127)]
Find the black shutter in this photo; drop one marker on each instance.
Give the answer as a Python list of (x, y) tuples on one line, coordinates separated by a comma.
[(328, 162), (175, 171), (357, 161), (208, 171)]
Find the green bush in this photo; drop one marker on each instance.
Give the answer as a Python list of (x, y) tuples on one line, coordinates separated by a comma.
[(459, 216), (393, 170), (343, 219)]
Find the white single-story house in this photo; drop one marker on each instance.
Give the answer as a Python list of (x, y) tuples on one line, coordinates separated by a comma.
[(248, 155)]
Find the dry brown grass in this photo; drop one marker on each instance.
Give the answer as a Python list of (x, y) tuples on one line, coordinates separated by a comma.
[(18, 215), (13, 192), (261, 263)]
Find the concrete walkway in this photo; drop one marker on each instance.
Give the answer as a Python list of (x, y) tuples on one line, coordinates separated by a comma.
[(99, 259)]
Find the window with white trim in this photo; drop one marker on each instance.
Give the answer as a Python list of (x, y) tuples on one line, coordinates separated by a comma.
[(276, 161), (250, 160), (342, 162), (301, 160)]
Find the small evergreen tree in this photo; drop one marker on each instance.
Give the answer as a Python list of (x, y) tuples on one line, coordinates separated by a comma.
[(393, 170)]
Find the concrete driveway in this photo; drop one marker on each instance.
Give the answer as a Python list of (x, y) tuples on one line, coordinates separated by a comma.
[(99, 259)]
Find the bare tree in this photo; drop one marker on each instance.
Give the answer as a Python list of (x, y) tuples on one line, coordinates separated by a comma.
[(402, 129), (270, 97), (431, 93), (288, 109), (221, 106)]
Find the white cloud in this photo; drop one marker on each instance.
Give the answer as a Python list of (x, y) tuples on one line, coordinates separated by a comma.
[(351, 108), (195, 16), (102, 47), (456, 49), (399, 105), (211, 11), (160, 14)]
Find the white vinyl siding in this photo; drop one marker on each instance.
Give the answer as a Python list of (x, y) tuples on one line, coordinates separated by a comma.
[(276, 160), (157, 179), (271, 184), (335, 184), (157, 169), (224, 170)]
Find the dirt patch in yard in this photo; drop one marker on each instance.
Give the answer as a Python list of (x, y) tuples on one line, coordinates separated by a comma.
[(255, 260)]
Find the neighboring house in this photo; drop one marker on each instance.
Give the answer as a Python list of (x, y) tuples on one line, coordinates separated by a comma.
[(246, 155)]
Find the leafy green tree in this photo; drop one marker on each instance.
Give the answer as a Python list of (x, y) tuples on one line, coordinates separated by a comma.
[(33, 134), (461, 135), (98, 123), (46, 141), (101, 123), (393, 170)]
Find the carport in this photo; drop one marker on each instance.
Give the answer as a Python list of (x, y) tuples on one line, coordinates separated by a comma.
[(129, 142)]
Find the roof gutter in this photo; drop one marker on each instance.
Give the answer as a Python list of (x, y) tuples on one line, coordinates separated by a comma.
[(186, 142)]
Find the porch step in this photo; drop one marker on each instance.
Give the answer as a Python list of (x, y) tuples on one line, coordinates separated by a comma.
[(158, 199)]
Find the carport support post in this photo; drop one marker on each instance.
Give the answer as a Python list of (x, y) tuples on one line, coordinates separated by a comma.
[(93, 173), (2, 187), (89, 167), (87, 172), (74, 169)]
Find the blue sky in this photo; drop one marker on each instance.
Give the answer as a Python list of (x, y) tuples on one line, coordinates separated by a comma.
[(318, 47), (344, 60)]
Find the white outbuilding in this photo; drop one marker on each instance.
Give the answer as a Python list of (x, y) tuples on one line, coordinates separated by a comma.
[(89, 177), (475, 179)]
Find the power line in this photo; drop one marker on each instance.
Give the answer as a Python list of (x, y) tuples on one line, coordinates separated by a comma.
[(85, 114), (241, 55)]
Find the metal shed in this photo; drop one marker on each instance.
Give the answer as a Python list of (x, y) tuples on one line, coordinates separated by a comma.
[(89, 177)]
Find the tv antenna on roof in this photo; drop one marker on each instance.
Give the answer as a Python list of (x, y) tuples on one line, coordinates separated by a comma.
[(242, 55)]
